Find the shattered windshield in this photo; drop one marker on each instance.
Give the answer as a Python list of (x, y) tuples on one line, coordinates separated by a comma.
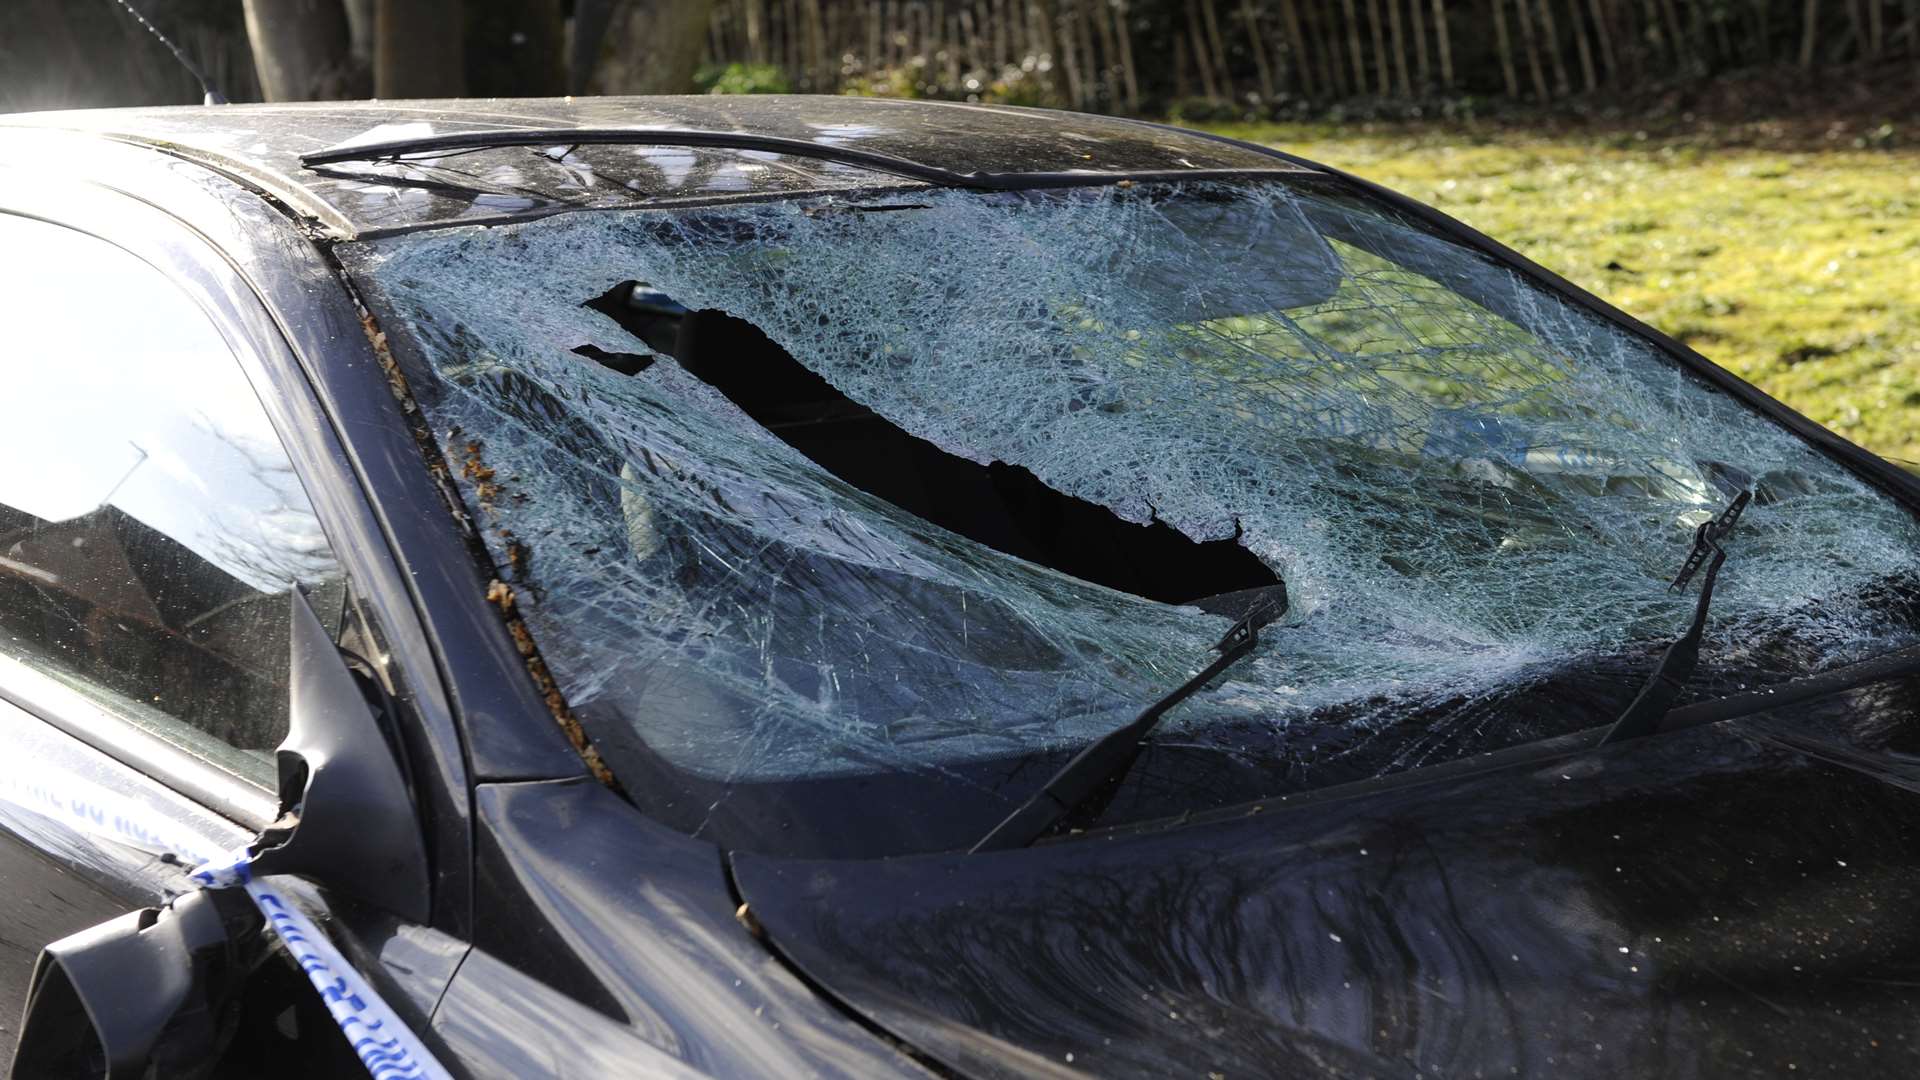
[(843, 521)]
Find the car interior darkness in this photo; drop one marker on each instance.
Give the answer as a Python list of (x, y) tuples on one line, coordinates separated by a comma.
[(1007, 508), (1004, 507)]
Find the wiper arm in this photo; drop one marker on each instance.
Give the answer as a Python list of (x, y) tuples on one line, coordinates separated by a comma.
[(1676, 666), (1083, 786), (463, 141), (439, 187)]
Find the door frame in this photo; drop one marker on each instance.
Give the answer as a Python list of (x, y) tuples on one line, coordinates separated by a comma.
[(221, 244)]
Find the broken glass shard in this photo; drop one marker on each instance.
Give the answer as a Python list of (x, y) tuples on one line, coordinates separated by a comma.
[(774, 620)]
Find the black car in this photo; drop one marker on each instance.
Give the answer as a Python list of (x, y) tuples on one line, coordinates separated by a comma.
[(816, 586)]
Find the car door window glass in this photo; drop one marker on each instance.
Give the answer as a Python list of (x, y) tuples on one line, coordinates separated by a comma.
[(150, 520)]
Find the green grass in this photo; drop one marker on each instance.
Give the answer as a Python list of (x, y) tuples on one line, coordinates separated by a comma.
[(1797, 269)]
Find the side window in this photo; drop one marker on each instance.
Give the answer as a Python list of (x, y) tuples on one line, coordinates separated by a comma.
[(150, 520)]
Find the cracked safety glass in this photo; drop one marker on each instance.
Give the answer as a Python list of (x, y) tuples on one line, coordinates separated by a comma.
[(843, 522)]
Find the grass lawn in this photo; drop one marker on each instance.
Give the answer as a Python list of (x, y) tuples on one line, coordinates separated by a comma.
[(1796, 268)]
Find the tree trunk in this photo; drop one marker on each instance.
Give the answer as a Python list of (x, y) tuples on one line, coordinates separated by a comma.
[(1219, 50), (1604, 31), (795, 28), (1651, 37), (1533, 51), (1723, 47), (1356, 50), (1327, 50), (1383, 68), (823, 76), (1398, 34), (1282, 62), (1129, 75), (360, 36), (1809, 21), (1681, 57), (1445, 46), (1252, 18), (1505, 44), (1302, 58), (301, 48), (1200, 51), (1858, 26), (418, 49), (1040, 34), (1585, 48), (1423, 70), (652, 47), (1069, 54), (754, 15), (1099, 76), (720, 34), (1550, 42), (590, 21), (513, 48), (1118, 72), (969, 34)]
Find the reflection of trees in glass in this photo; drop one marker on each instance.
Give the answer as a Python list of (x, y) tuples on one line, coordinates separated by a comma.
[(1410, 448), (267, 536)]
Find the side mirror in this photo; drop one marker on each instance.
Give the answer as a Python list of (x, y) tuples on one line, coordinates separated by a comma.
[(153, 994), (347, 818), (149, 994)]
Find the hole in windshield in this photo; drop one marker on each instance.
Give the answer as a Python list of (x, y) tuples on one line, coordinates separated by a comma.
[(1004, 507), (859, 553)]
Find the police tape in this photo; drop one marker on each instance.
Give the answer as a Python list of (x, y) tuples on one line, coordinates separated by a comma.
[(382, 1041), (385, 1045), (90, 808)]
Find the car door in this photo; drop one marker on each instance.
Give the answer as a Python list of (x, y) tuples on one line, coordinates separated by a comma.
[(152, 526)]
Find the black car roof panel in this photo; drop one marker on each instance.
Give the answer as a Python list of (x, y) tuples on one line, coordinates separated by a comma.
[(264, 143)]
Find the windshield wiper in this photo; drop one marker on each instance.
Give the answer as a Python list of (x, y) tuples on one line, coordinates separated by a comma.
[(449, 188), (466, 141), (1676, 666), (1083, 786)]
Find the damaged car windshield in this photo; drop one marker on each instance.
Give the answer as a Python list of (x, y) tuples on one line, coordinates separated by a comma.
[(843, 521)]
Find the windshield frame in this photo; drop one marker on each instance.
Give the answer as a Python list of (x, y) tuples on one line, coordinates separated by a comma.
[(1896, 483)]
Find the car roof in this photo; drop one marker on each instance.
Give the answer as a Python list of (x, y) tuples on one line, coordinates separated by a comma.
[(754, 157)]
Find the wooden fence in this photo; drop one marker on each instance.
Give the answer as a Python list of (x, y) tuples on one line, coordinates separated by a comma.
[(1135, 55)]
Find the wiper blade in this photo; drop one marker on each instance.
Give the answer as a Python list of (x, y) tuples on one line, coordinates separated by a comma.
[(1083, 786), (469, 188), (1676, 666), (463, 141)]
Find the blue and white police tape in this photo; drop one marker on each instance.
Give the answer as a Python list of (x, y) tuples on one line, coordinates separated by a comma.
[(89, 808), (383, 1042), (385, 1045)]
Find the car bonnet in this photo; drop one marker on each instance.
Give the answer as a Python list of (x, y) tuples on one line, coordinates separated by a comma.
[(1729, 899)]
